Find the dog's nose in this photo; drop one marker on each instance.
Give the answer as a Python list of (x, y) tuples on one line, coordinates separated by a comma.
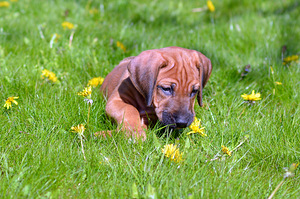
[(181, 125), (184, 120)]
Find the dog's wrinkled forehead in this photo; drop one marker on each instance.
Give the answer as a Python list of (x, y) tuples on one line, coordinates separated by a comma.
[(180, 66), (180, 56)]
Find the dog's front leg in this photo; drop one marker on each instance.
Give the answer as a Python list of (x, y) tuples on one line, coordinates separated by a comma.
[(127, 117)]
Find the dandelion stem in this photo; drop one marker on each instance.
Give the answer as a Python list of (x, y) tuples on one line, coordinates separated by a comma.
[(88, 117), (71, 38), (41, 32), (242, 142), (200, 9), (52, 40), (218, 156), (276, 189), (82, 148)]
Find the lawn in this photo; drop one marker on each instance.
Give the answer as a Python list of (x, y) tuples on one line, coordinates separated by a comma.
[(40, 156)]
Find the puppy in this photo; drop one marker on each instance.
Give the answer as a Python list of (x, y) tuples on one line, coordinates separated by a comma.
[(157, 85)]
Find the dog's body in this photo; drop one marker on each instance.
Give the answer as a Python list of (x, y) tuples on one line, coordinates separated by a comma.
[(159, 84)]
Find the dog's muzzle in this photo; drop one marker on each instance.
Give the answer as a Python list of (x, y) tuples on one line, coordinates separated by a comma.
[(177, 120)]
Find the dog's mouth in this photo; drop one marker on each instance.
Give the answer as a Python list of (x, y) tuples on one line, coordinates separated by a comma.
[(177, 122), (170, 126), (175, 126)]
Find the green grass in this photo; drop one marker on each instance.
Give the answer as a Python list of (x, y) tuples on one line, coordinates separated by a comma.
[(41, 158)]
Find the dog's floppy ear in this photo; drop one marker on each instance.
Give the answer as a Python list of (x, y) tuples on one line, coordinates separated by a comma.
[(205, 69), (144, 70)]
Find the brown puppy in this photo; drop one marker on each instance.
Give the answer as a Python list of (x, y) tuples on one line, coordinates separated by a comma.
[(159, 84)]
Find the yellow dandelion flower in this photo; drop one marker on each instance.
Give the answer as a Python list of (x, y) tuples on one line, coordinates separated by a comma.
[(171, 151), (195, 127), (52, 77), (226, 150), (4, 4), (210, 6), (93, 11), (67, 25), (291, 58), (49, 75), (9, 101), (45, 73), (251, 97), (96, 81), (78, 129), (278, 83), (121, 46), (87, 92)]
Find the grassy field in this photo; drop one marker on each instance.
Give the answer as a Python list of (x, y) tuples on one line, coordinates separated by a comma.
[(40, 157)]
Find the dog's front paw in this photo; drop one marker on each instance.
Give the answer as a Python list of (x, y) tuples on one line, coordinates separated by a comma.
[(103, 134), (131, 135), (136, 135)]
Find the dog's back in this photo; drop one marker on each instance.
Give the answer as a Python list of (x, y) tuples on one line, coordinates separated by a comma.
[(114, 78)]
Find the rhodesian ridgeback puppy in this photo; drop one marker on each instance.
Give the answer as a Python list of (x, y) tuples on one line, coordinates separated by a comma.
[(157, 85)]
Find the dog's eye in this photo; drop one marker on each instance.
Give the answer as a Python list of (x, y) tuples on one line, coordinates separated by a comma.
[(194, 92), (166, 90)]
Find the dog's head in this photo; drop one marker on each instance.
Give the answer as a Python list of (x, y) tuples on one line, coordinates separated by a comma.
[(170, 79)]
